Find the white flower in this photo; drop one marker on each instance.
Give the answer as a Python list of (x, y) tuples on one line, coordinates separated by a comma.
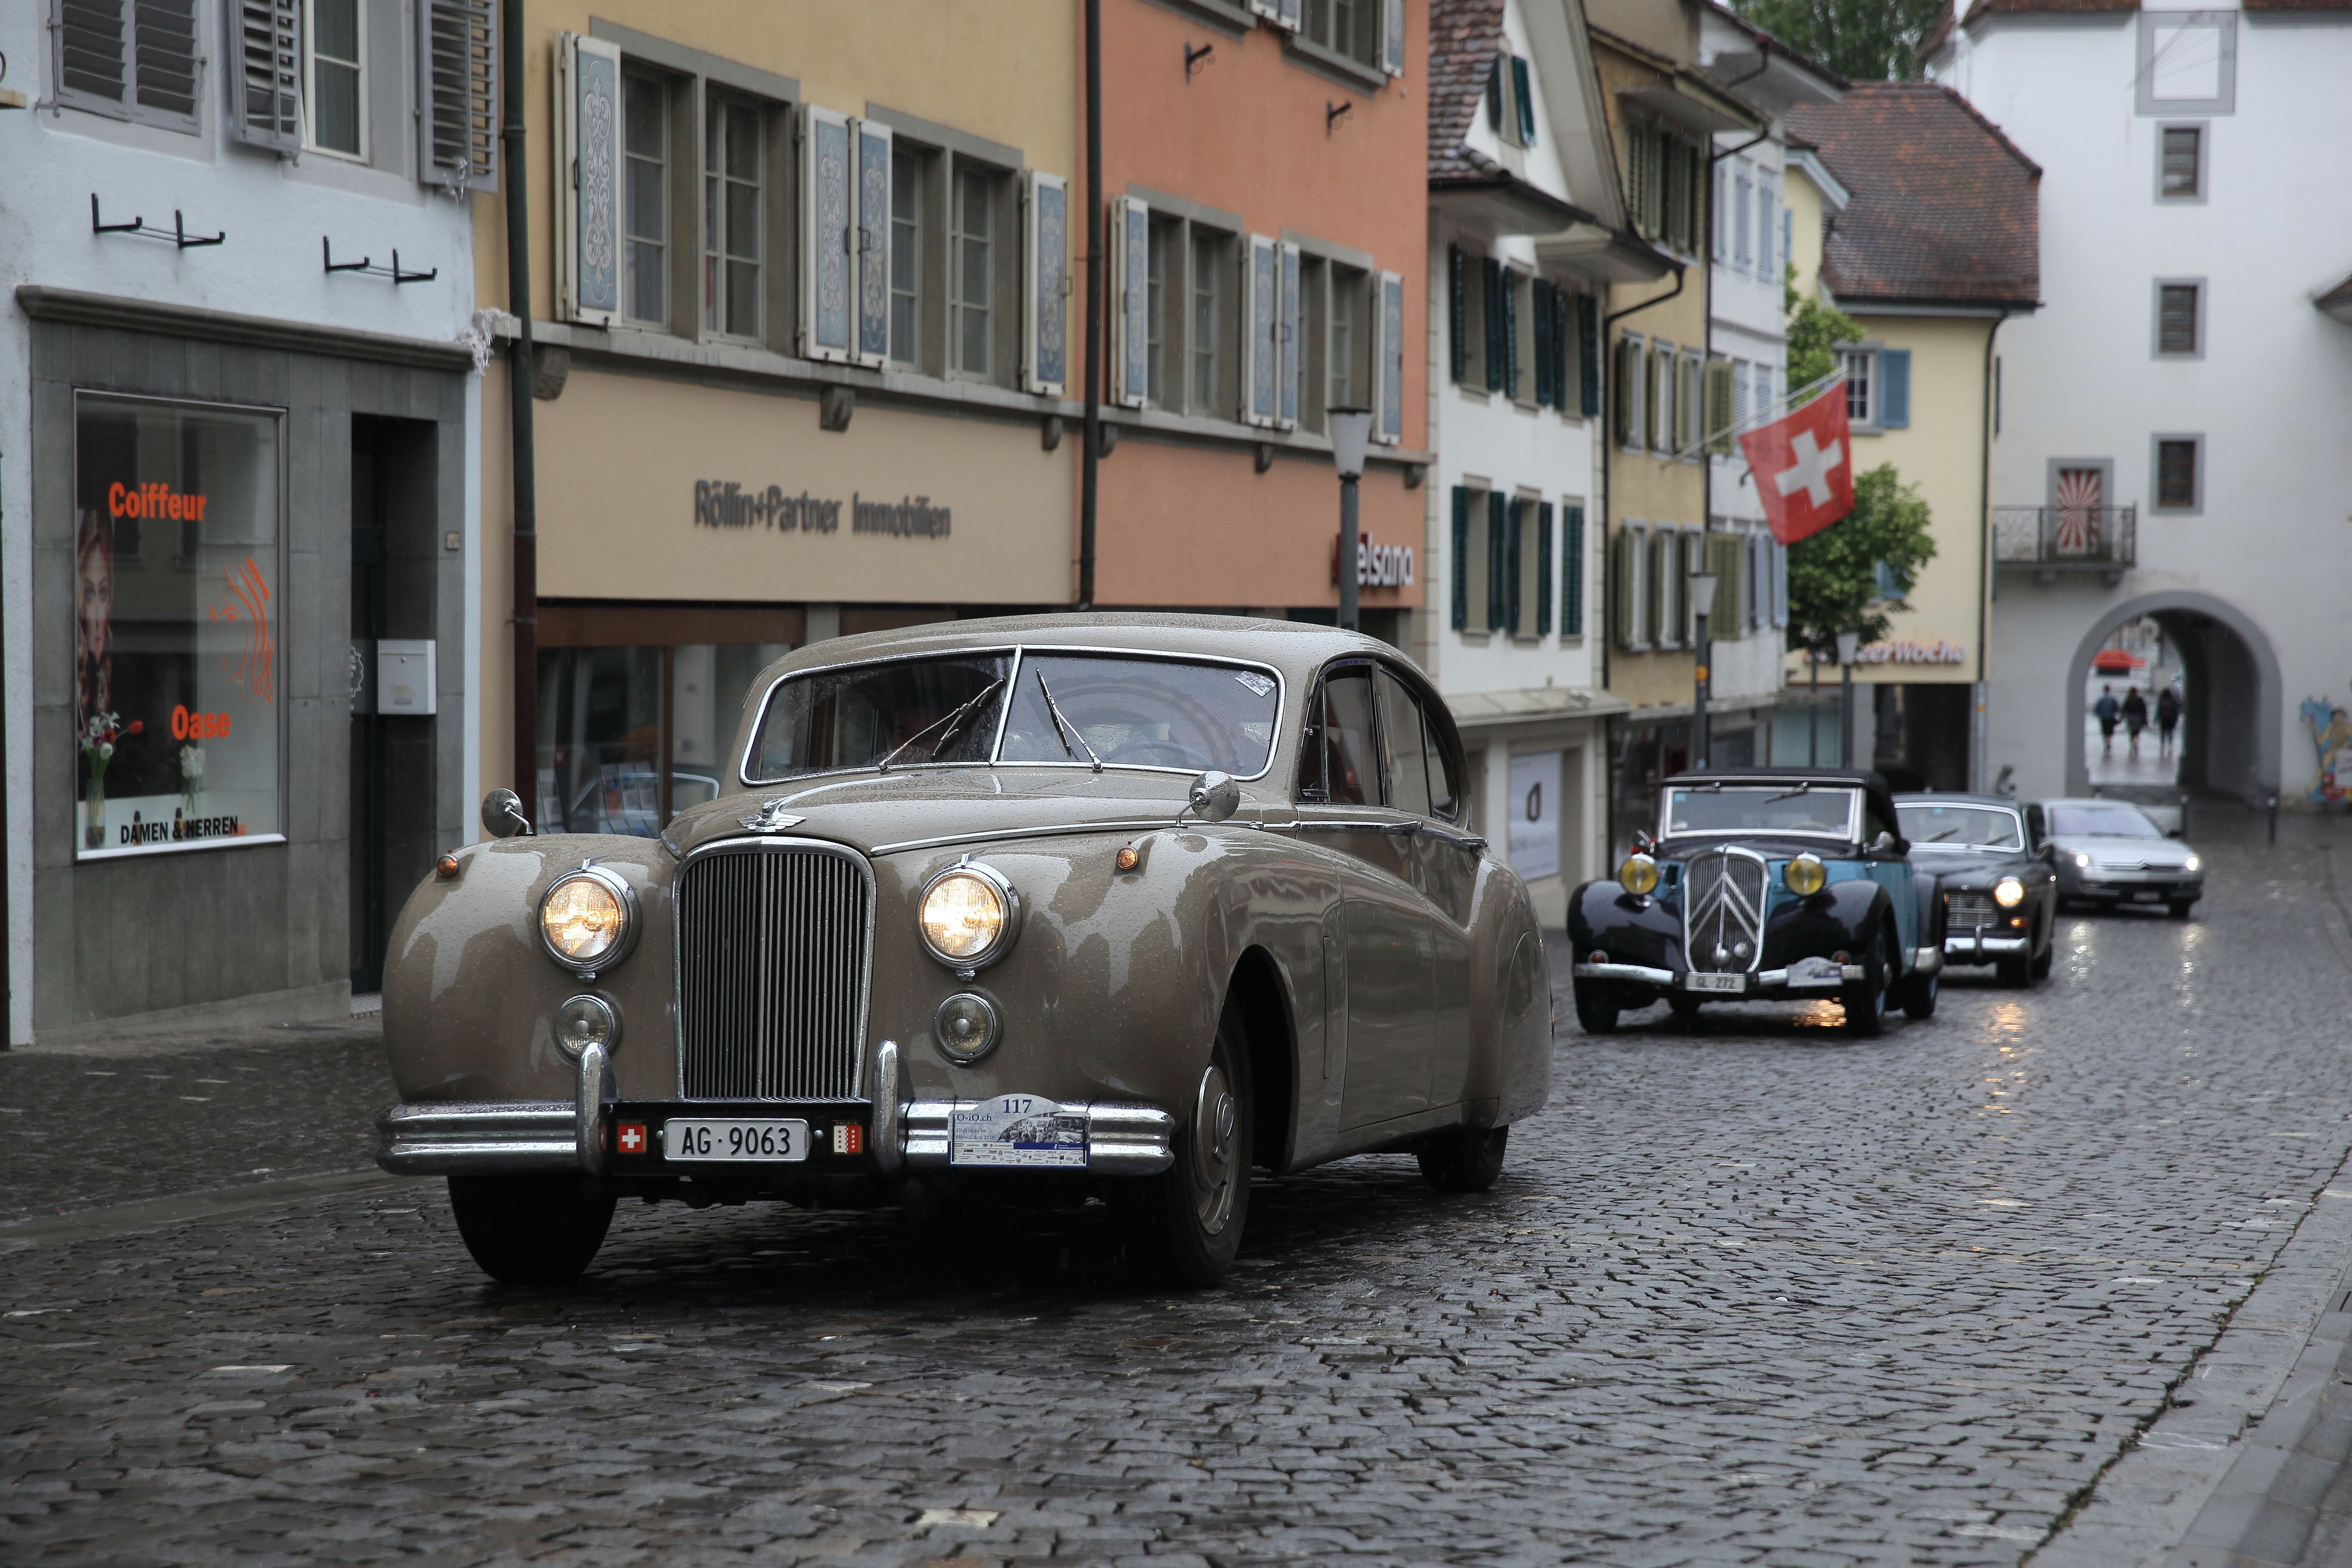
[(106, 749)]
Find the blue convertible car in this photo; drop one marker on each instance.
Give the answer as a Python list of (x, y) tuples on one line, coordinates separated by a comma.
[(1762, 883)]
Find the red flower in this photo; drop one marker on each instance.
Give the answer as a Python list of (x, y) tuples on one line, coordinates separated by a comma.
[(136, 725)]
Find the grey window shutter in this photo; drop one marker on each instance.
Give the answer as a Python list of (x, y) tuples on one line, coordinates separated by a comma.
[(1498, 561), (1388, 427), (1893, 389), (1571, 579), (1461, 561), (266, 97), (1457, 312), (92, 56), (1391, 36), (1261, 291), (1620, 586), (1286, 367), (873, 220), (1045, 264), (587, 181), (827, 312), (457, 92), (1543, 569), (1588, 353), (1131, 256)]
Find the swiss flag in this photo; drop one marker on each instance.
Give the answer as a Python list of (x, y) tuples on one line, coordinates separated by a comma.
[(1803, 466), (631, 1137)]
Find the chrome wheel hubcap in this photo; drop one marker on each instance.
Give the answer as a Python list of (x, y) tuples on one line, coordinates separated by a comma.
[(1216, 1150)]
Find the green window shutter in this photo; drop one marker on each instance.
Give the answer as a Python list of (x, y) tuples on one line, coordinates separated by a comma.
[(1588, 352), (1524, 94), (1492, 275), (1495, 94), (1457, 313), (1893, 389), (1499, 569), (1461, 558), (1543, 570), (1627, 427), (1571, 581), (1723, 556), (1511, 335), (1539, 313)]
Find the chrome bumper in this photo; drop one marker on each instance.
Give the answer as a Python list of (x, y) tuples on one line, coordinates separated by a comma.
[(1121, 1139), (1976, 947), (1675, 980), (482, 1135)]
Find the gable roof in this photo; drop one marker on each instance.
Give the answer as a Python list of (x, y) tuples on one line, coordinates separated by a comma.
[(1945, 209), (1464, 35)]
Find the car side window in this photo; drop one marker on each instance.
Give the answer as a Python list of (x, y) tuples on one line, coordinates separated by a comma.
[(2033, 833), (1351, 764), (1445, 772), (1405, 747)]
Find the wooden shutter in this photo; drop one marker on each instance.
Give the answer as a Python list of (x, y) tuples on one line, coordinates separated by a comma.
[(265, 48), (1491, 275), (1515, 541), (1571, 577), (1543, 569), (1387, 424), (457, 94), (1587, 354), (1494, 95), (1292, 335), (1511, 281), (1044, 261), (1500, 511), (1893, 389), (1461, 561), (1392, 36), (587, 180), (1523, 98), (1457, 312), (828, 314), (871, 140), (1131, 258), (1724, 552), (1720, 413), (1261, 303), (1621, 551)]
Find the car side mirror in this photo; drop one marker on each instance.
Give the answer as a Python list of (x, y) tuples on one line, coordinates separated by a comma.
[(1883, 844), (1214, 797), (502, 815), (2176, 833)]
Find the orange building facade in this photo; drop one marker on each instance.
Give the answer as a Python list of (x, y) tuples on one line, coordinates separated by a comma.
[(1262, 236)]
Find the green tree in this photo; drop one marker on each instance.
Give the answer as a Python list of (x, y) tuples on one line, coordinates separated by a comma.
[(1862, 40), (1835, 580), (1815, 328)]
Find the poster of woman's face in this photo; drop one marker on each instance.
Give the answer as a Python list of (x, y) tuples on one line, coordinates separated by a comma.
[(93, 617)]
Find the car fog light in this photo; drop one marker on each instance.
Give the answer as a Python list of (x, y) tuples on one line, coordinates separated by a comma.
[(585, 920), (2008, 892), (587, 1021), (966, 1027), (1638, 875), (1806, 876), (967, 915)]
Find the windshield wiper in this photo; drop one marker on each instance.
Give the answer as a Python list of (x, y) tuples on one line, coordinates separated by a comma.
[(954, 721), (1937, 837), (1792, 795), (1062, 726)]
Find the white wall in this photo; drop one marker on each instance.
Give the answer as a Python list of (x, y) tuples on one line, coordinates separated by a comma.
[(1748, 316)]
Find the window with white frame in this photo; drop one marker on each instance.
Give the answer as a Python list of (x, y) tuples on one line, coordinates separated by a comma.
[(1739, 404), (972, 270), (1722, 209), (1861, 368), (1690, 408), (733, 182), (645, 204), (1662, 359), (334, 117), (1742, 192), (1767, 198), (910, 182), (1208, 325)]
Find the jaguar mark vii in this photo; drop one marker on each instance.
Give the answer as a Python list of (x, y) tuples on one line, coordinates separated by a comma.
[(1125, 905)]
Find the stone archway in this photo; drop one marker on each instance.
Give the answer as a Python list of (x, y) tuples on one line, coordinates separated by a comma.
[(2230, 730)]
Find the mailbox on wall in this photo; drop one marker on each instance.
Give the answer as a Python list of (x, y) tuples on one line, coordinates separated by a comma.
[(404, 678)]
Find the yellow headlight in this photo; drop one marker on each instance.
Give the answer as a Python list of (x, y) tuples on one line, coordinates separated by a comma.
[(2008, 892), (583, 920), (1639, 875), (964, 916), (1806, 876)]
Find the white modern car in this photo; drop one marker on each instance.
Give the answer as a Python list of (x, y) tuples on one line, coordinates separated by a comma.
[(2111, 853)]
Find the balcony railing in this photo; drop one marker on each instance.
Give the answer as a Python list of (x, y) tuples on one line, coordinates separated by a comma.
[(2054, 538)]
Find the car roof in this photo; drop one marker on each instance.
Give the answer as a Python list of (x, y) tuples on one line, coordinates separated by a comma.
[(2091, 800), (1847, 778), (1938, 797)]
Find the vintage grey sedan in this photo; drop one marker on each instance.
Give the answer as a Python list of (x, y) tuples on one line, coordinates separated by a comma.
[(1128, 905)]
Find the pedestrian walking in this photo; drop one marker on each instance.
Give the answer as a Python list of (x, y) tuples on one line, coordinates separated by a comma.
[(2105, 711), (2135, 716), (2167, 718)]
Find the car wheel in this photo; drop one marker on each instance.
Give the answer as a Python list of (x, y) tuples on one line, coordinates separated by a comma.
[(2181, 908), (2048, 953), (1684, 1006), (1462, 1158), (530, 1230), (1596, 1007), (1196, 1208), (1866, 999), (1919, 997)]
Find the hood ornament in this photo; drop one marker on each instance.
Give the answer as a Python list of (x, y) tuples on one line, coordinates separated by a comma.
[(772, 816)]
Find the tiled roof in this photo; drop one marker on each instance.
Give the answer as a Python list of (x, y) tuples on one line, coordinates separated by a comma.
[(1463, 37), (1945, 208), (1933, 40)]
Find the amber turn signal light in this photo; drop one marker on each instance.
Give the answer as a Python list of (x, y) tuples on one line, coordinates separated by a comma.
[(1127, 859), (445, 867)]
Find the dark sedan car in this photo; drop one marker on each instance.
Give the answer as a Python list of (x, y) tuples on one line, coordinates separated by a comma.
[(1995, 877)]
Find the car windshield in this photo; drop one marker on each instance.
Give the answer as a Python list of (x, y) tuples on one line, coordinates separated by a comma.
[(1961, 828), (1066, 707), (2101, 821), (1760, 808)]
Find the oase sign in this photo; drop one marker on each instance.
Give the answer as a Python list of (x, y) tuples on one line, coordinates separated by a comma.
[(727, 503)]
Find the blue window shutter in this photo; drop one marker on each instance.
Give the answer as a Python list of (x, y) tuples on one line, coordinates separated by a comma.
[(1543, 570), (1895, 389), (1571, 583), (1498, 566), (1458, 302), (1461, 557), (1588, 353), (1524, 94)]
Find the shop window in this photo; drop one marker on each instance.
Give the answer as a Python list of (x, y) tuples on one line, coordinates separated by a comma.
[(645, 223), (131, 59), (608, 716), (731, 217), (335, 120), (176, 628)]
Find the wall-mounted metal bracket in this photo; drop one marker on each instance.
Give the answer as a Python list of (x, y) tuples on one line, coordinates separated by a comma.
[(177, 233), (1196, 58), (367, 266), (1332, 113)]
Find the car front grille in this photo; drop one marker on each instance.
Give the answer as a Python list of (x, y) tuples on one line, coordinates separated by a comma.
[(1723, 921), (1963, 909), (773, 944)]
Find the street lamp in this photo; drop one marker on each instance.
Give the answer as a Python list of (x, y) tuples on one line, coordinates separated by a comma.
[(1702, 588), (1847, 643), (1352, 431)]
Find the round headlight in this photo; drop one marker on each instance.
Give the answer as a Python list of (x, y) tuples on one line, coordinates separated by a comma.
[(587, 1021), (585, 920), (1638, 875), (2008, 892), (967, 916), (2191, 864), (1806, 876), (2083, 861), (966, 1026)]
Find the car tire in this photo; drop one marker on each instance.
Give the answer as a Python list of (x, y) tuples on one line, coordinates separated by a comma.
[(2180, 908), (1684, 1006), (2017, 973), (1919, 997), (1462, 1158), (1596, 1007), (1194, 1210), (531, 1230), (1866, 1001), (2046, 957)]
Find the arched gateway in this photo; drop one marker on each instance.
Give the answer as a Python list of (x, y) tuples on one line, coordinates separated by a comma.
[(2230, 730)]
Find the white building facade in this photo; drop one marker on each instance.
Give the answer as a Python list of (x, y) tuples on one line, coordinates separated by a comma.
[(237, 401), (2170, 425)]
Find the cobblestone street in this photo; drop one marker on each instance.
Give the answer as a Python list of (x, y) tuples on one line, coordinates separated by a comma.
[(1750, 1293)]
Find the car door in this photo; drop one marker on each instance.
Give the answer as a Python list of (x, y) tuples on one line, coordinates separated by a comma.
[(1892, 870), (1387, 940), (1422, 783)]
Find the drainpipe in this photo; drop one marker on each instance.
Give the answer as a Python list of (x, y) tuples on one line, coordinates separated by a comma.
[(1979, 722), (525, 616), (1088, 480)]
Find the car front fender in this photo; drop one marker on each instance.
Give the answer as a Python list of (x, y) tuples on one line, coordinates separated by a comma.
[(1603, 916)]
